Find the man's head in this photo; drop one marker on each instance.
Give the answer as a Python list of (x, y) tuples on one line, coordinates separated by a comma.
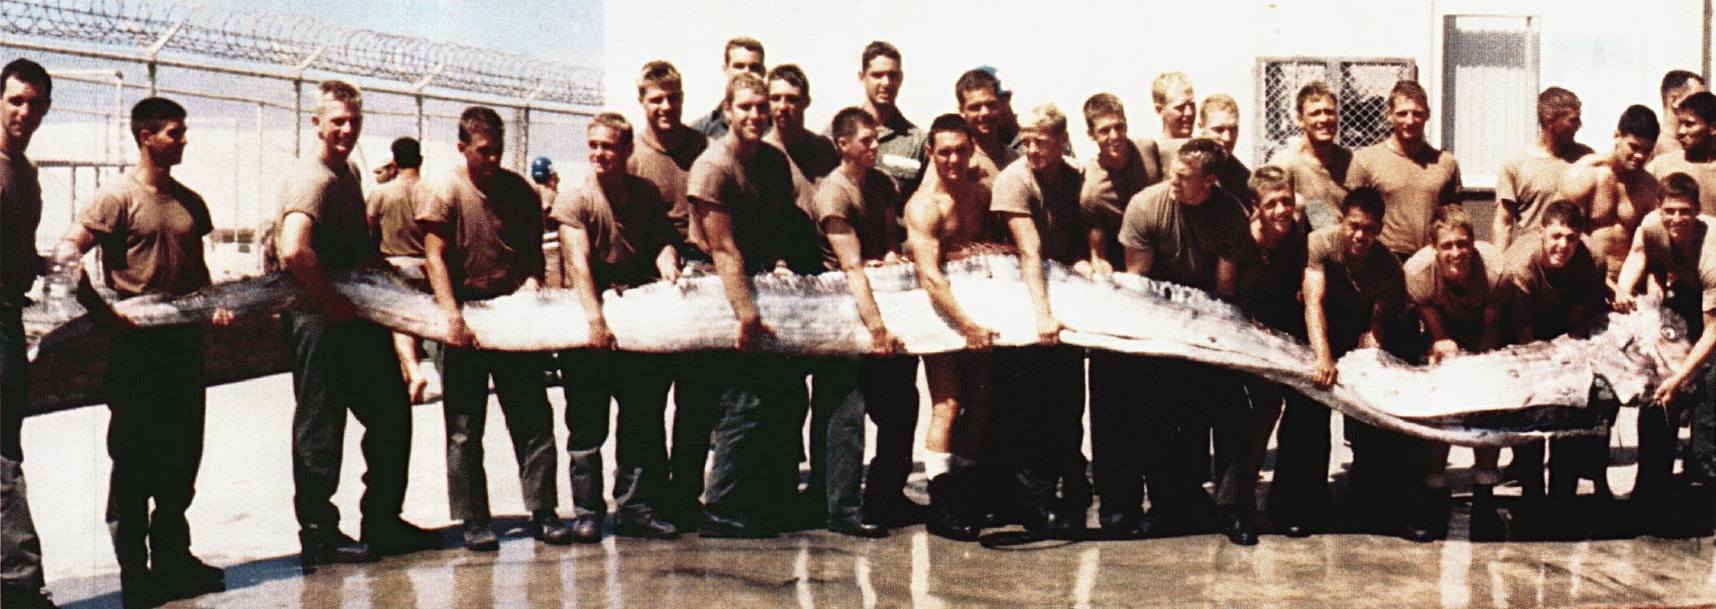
[(881, 72), (158, 126), (1635, 138), (26, 91), (1679, 205), (1272, 201), (1319, 113), (747, 106), (1451, 236), (1697, 120), (1171, 92), (1218, 119), (1105, 122), (338, 118), (1676, 85), (662, 95), (950, 148), (978, 94), (610, 138), (482, 140), (742, 54), (1562, 224), (1558, 114), (1361, 220), (1193, 174), (855, 136), (789, 96), (1408, 111), (1043, 131)]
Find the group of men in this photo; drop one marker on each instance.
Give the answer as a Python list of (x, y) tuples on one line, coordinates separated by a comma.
[(1344, 249)]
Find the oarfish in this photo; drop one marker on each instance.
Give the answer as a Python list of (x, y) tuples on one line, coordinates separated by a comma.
[(1501, 397)]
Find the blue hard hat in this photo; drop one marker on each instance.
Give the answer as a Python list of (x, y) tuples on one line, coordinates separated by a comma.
[(541, 168)]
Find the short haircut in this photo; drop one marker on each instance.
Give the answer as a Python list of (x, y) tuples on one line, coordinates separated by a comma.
[(1409, 89), (1366, 199), (1676, 80), (153, 113), (1201, 152), (849, 119), (1681, 187), (1313, 90), (29, 72), (972, 80), (1220, 102), (1450, 216), (480, 118), (741, 82), (793, 75), (1100, 104), (1553, 101), (878, 48), (615, 121), (407, 153), (1702, 104), (340, 91), (1269, 178), (661, 75), (1565, 212), (741, 42), (1045, 117), (1638, 120), (1167, 82), (949, 122)]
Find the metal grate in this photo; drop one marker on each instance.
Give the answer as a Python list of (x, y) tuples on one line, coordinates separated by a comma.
[(1361, 87)]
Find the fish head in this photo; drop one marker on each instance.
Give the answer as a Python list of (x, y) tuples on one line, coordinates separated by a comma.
[(1671, 342), (1651, 342)]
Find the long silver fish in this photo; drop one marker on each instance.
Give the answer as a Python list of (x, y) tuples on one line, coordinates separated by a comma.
[(1501, 397)]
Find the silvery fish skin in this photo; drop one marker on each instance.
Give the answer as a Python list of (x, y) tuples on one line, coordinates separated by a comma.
[(1501, 397)]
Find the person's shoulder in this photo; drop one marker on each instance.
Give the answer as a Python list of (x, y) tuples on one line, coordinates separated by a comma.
[(1667, 163), (1420, 262)]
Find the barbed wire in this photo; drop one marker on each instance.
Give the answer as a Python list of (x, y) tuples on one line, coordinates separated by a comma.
[(293, 42)]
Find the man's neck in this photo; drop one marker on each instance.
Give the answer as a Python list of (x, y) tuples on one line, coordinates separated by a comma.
[(1410, 149), (332, 158), (991, 145), (613, 184), (1114, 163), (1702, 153), (411, 174), (151, 174), (1263, 236), (1323, 151), (882, 114), (1048, 176), (1547, 144), (787, 134), (14, 148), (854, 170), (740, 147), (667, 139)]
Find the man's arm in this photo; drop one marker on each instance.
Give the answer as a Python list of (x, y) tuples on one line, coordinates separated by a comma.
[(1031, 266), (667, 263), (1442, 346), (1501, 228), (844, 241), (1099, 263), (1139, 261), (1701, 350), (730, 266), (1323, 373), (575, 251), (925, 249), (1227, 279), (1631, 272), (435, 247), (293, 244)]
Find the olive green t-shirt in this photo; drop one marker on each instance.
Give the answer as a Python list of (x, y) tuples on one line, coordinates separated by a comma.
[(493, 232), (625, 236), (1412, 187)]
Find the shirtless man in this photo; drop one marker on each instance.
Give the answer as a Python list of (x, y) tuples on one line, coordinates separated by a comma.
[(942, 219), (1317, 162), (1676, 85), (1529, 181), (1218, 119), (978, 94), (1413, 177), (741, 54), (1696, 130), (1616, 188)]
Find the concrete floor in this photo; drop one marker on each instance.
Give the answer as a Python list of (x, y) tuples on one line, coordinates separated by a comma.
[(242, 521)]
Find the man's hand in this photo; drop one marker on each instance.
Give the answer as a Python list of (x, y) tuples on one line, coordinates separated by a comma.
[(601, 337), (1368, 341), (1049, 330), (669, 272), (415, 386), (1667, 390), (751, 333), (1625, 302), (1323, 373), (1443, 349), (883, 342), (530, 285), (458, 334), (977, 337), (222, 318)]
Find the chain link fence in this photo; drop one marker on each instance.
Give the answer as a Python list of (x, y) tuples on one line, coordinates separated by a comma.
[(248, 80), (1361, 87)]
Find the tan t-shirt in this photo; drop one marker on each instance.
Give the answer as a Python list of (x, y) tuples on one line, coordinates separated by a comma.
[(1703, 173), (869, 208), (1106, 193), (668, 170), (625, 236), (1186, 241), (1462, 309), (1695, 272), (1353, 288), (815, 157), (1320, 187), (1544, 298), (758, 192), (1528, 183), (1053, 207), (151, 242), (20, 215), (1412, 187), (333, 199), (494, 233), (394, 207)]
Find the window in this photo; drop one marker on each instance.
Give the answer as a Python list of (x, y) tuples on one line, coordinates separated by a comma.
[(1489, 90)]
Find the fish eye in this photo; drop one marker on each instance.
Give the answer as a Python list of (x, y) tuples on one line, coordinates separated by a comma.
[(1670, 333)]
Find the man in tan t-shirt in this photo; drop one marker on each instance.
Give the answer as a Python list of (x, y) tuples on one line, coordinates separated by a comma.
[(150, 228), (1615, 187), (1117, 171), (1695, 128), (978, 95), (1218, 119), (947, 215), (1528, 182), (482, 238), (1676, 85), (1413, 177), (1317, 162), (392, 209)]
